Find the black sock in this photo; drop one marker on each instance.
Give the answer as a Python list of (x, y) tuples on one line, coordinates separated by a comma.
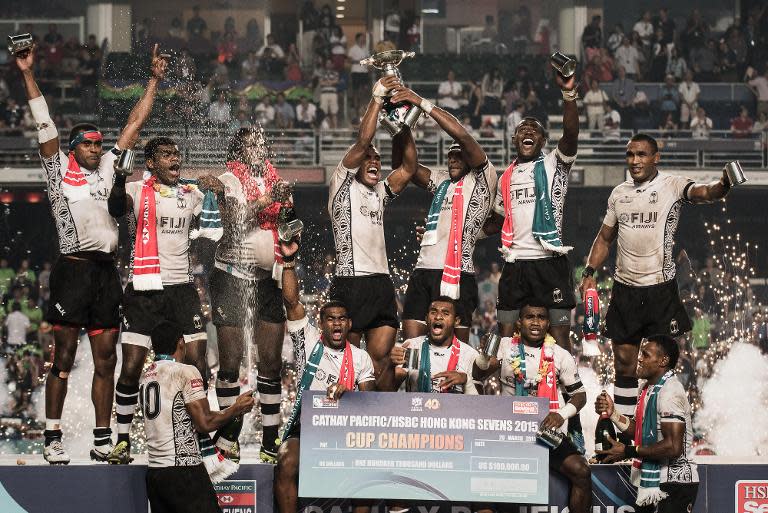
[(269, 403), (102, 436), (51, 435)]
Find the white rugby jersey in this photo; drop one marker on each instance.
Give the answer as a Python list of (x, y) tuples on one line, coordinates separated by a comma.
[(165, 389), (672, 406), (647, 215), (523, 200), (567, 373), (305, 335), (244, 247), (438, 362), (174, 220), (83, 225), (479, 189), (357, 218)]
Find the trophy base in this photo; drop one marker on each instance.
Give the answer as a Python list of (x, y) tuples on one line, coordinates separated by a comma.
[(395, 127)]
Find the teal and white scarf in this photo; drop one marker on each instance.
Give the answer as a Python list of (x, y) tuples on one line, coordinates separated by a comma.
[(210, 217)]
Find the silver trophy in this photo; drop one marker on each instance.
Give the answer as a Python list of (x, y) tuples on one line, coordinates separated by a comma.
[(563, 64), (552, 438), (19, 44), (411, 359), (734, 173), (491, 348), (286, 232), (393, 116), (124, 163)]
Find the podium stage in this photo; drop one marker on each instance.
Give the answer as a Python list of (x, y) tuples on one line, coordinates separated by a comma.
[(83, 487)]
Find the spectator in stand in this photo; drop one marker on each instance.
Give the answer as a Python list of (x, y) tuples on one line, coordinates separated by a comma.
[(44, 282), (25, 276), (196, 25), (515, 118), (592, 37), (227, 46), (35, 316), (240, 121), (701, 125), (511, 96), (669, 98), (534, 108), (13, 113), (272, 45), (759, 86), (329, 94), (359, 77), (689, 97), (306, 114), (761, 125), (17, 327), (622, 94), (491, 89), (642, 117), (667, 26), (615, 38), (668, 127), (176, 32), (88, 74), (595, 101), (265, 112), (449, 92), (310, 19), (737, 47), (285, 117), (338, 45), (659, 58), (741, 126), (695, 34), (53, 44), (293, 64), (628, 57), (249, 69), (7, 275), (704, 62), (270, 64), (676, 65), (611, 124), (644, 29), (220, 112), (599, 68), (252, 39)]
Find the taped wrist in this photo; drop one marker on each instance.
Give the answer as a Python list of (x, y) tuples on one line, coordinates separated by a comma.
[(426, 105), (379, 91), (482, 361), (46, 129), (568, 411)]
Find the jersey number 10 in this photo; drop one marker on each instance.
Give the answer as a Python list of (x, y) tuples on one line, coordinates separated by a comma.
[(149, 396)]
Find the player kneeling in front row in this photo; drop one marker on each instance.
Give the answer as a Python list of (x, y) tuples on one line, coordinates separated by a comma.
[(174, 404), (444, 362), (667, 479), (326, 361), (533, 364)]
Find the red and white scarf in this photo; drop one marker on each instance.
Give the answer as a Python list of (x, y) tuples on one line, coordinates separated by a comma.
[(449, 284), (146, 258), (508, 228), (347, 374)]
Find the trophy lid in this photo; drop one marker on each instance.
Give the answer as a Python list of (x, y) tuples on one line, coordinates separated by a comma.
[(394, 57)]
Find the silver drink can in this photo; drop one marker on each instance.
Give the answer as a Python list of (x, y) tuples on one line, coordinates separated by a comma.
[(19, 43), (550, 437), (735, 173), (288, 231), (563, 64), (492, 345), (411, 358), (124, 163)]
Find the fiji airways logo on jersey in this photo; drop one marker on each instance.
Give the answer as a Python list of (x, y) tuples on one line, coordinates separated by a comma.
[(173, 223), (639, 219)]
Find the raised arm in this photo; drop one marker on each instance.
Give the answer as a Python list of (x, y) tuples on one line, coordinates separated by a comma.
[(356, 153), (474, 154), (141, 111), (570, 140), (206, 421), (598, 253), (404, 161), (707, 193), (294, 310), (119, 202), (47, 135)]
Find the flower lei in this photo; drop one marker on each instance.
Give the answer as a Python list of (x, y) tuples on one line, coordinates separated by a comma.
[(518, 369), (179, 190)]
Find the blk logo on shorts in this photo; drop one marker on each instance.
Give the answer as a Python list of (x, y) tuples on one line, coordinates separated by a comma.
[(557, 296), (673, 327), (60, 309), (221, 312), (197, 321)]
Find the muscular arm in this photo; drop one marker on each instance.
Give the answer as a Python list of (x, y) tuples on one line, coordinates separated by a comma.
[(48, 147), (119, 202), (602, 246), (404, 160), (707, 193), (294, 310), (141, 111), (206, 421), (570, 140)]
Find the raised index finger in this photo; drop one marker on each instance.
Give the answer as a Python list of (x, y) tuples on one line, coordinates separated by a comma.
[(154, 50)]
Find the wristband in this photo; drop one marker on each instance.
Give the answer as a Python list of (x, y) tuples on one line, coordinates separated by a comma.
[(482, 361), (426, 105), (568, 411), (621, 421), (290, 264), (588, 271), (570, 96), (630, 451)]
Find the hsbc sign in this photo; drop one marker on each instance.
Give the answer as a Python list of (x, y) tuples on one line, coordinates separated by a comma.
[(751, 497)]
